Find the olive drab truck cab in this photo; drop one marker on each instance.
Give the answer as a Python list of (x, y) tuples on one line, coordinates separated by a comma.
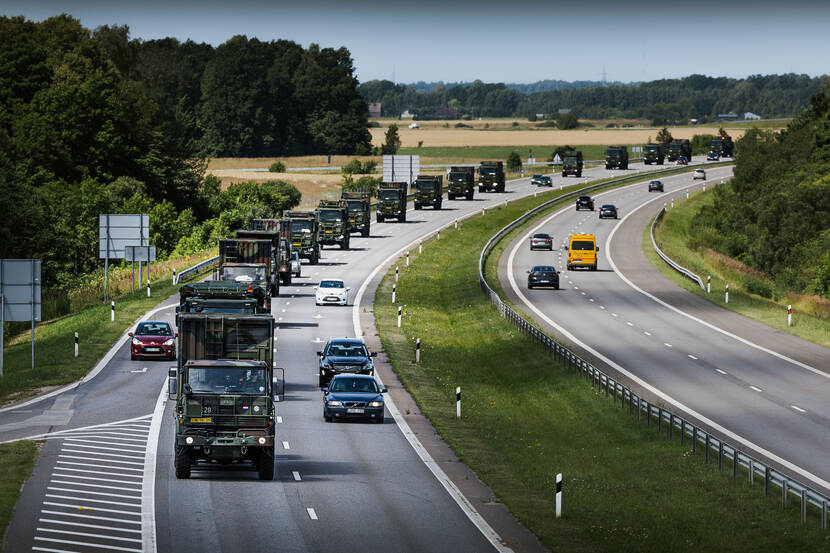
[(680, 148), (654, 153), (616, 157), (722, 145), (249, 261), (572, 164), (333, 219), (461, 182), (221, 296), (391, 201), (428, 190), (491, 176), (358, 205), (224, 389), (304, 234), (278, 232), (582, 251)]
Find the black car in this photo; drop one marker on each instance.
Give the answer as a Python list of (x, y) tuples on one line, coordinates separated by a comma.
[(543, 275), (608, 210), (584, 202), (682, 160), (655, 186), (344, 356), (353, 396), (712, 156), (541, 240), (544, 181)]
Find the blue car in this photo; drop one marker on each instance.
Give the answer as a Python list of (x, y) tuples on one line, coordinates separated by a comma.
[(353, 396)]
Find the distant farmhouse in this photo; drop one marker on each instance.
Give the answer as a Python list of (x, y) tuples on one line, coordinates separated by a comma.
[(749, 116), (406, 114), (374, 109), (728, 116)]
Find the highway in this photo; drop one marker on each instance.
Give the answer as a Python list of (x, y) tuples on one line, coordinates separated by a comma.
[(759, 388), (105, 482)]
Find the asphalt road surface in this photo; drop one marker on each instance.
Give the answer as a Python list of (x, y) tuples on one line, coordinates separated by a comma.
[(104, 481)]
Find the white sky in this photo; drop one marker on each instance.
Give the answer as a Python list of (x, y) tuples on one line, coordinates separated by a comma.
[(496, 41)]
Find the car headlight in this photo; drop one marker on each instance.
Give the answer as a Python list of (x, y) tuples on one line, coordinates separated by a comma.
[(334, 403), (136, 342), (169, 342), (375, 404), (325, 365)]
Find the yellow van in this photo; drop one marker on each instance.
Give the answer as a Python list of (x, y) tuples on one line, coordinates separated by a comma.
[(582, 251)]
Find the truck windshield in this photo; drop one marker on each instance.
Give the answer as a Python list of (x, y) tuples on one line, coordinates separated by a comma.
[(331, 216), (388, 195), (243, 274), (652, 148), (355, 205), (489, 171), (425, 186), (224, 380), (583, 245), (458, 177), (300, 225)]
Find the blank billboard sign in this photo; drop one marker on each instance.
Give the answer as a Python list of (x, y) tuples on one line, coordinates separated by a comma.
[(116, 231), (20, 288)]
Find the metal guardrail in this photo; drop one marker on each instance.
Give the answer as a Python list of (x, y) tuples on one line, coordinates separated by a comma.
[(677, 267), (196, 268), (699, 437)]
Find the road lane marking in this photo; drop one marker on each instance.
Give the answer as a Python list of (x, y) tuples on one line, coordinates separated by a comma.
[(614, 315), (87, 535), (81, 543), (629, 323), (84, 525), (721, 371), (285, 445), (602, 307), (647, 333), (799, 409), (668, 345), (692, 357), (296, 476), (279, 420), (311, 513), (755, 389), (144, 370)]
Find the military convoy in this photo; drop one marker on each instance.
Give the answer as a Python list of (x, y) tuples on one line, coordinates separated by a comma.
[(572, 164), (429, 190), (616, 157), (359, 210), (391, 201), (491, 176), (221, 296), (461, 182), (304, 232), (333, 219), (679, 148), (278, 231), (654, 153)]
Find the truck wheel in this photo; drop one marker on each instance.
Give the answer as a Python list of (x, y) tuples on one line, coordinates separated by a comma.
[(450, 197), (607, 166), (380, 218), (470, 194), (344, 245), (288, 278), (564, 174), (480, 189), (182, 461), (578, 174), (265, 464), (402, 217), (365, 231), (438, 205)]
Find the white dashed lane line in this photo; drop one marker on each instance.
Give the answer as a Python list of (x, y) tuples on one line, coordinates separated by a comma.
[(285, 445), (668, 345), (721, 371), (647, 333), (756, 389), (799, 409), (296, 476), (692, 357), (629, 323), (311, 513)]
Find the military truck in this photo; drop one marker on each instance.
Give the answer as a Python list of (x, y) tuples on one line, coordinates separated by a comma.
[(573, 163), (653, 153), (723, 146), (429, 190), (249, 261), (491, 176), (358, 205), (304, 233), (679, 148), (279, 233), (461, 182), (224, 388), (333, 219), (616, 157), (220, 296), (391, 201)]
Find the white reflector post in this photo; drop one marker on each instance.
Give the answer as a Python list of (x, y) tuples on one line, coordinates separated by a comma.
[(559, 495), (458, 402)]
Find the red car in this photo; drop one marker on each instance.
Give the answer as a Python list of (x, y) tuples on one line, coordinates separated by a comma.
[(154, 340)]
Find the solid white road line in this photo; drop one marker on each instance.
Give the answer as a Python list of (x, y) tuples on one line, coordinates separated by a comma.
[(100, 459), (799, 409), (311, 513), (105, 473), (755, 389), (82, 499), (296, 475), (92, 517), (690, 356), (87, 492), (721, 371), (87, 544), (92, 479), (96, 509), (86, 534), (84, 525), (84, 484)]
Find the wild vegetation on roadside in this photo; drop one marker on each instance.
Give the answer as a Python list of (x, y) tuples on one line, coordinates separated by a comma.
[(18, 461)]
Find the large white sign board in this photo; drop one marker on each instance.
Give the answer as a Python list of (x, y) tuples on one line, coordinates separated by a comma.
[(115, 231), (401, 168)]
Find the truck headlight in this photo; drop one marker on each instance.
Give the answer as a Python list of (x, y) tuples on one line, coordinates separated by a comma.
[(189, 440), (261, 440)]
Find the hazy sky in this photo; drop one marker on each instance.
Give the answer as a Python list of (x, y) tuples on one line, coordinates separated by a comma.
[(497, 41)]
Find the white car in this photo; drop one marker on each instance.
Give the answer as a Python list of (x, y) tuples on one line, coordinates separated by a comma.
[(332, 291), (699, 174), (296, 266)]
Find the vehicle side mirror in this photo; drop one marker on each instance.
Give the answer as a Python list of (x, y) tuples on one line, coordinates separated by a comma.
[(176, 335), (373, 354), (324, 389), (130, 334), (597, 248), (348, 289), (383, 390), (319, 354), (528, 272)]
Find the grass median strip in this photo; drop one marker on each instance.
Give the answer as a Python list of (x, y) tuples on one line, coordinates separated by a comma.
[(18, 461), (525, 419), (750, 292)]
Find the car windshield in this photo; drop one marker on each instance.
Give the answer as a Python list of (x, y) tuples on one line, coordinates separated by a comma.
[(585, 198), (224, 380), (537, 176), (354, 385), (608, 206), (656, 182), (243, 274), (331, 284), (388, 194), (347, 350), (300, 225), (331, 216), (544, 269), (582, 245), (153, 329), (541, 235), (489, 171)]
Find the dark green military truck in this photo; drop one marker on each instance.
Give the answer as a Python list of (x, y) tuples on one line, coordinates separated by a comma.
[(304, 234), (428, 190), (224, 388), (358, 205), (680, 148), (279, 233), (616, 157), (391, 201), (249, 261), (722, 145), (333, 219), (654, 153), (491, 176), (221, 296), (572, 164), (462, 182)]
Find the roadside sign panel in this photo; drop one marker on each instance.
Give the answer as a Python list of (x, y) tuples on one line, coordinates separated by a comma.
[(139, 253), (116, 231), (401, 168), (20, 288)]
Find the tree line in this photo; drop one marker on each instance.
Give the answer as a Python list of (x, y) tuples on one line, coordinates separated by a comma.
[(93, 122), (663, 101)]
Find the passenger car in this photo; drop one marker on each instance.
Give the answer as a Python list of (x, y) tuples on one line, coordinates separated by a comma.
[(608, 210), (536, 179), (544, 181), (153, 340), (682, 160), (699, 174), (541, 240), (584, 202), (712, 156), (543, 275), (353, 396), (344, 356), (655, 186), (296, 265), (331, 291)]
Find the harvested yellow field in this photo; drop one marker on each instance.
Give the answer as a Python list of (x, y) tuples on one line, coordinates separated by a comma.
[(442, 137), (265, 162), (313, 187)]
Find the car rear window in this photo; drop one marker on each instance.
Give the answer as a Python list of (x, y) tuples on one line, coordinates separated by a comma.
[(544, 269), (541, 235), (582, 245)]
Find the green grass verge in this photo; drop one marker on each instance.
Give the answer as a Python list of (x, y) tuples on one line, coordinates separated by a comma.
[(672, 234), (525, 418), (18, 461), (55, 363)]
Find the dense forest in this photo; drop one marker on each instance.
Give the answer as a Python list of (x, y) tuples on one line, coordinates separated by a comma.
[(92, 122), (663, 101), (775, 214)]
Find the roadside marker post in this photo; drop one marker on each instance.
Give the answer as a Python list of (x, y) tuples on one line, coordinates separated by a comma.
[(709, 284), (396, 273), (439, 235), (727, 293), (458, 402), (174, 277), (399, 316), (456, 222), (417, 350), (559, 495), (394, 290), (789, 315), (420, 246), (148, 285), (112, 312), (76, 344), (407, 258)]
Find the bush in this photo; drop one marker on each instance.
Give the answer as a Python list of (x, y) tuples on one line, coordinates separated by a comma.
[(277, 167), (353, 167), (515, 124), (374, 124), (486, 125), (514, 162), (462, 126), (758, 287), (550, 124), (568, 121)]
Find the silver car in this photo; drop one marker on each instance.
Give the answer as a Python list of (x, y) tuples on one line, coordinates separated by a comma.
[(296, 266), (699, 174)]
